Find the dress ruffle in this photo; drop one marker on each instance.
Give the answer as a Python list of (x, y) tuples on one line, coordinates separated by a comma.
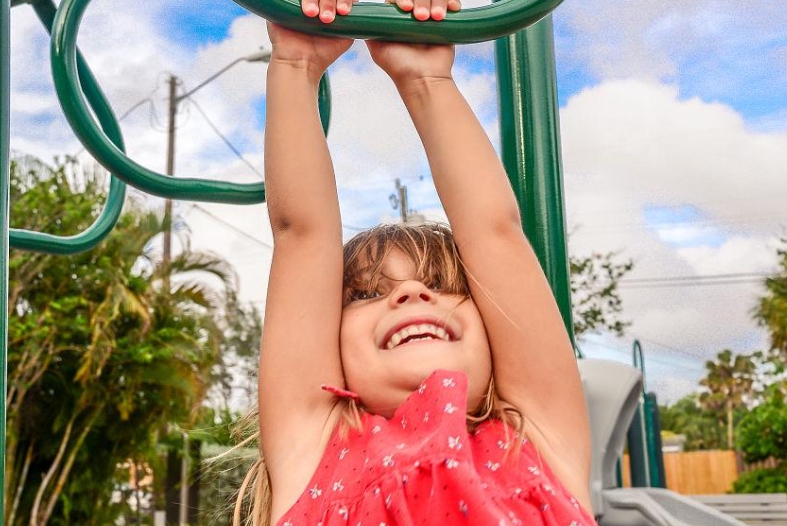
[(422, 467)]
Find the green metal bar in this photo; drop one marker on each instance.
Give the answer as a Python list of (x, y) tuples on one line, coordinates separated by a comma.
[(638, 358), (5, 166), (530, 140), (657, 478), (69, 91), (386, 22), (637, 438), (103, 225)]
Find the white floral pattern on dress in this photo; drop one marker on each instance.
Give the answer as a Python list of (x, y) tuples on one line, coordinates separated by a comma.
[(315, 492), (492, 466), (343, 453), (451, 463), (338, 486), (450, 408), (449, 382), (454, 442), (388, 461)]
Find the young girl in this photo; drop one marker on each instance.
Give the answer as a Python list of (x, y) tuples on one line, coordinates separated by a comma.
[(415, 376)]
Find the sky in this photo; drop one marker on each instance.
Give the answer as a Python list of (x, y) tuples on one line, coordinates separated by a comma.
[(673, 122)]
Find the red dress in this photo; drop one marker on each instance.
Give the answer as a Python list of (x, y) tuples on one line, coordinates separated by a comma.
[(423, 467)]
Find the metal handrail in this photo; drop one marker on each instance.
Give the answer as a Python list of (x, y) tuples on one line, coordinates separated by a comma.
[(105, 222), (387, 22), (70, 93)]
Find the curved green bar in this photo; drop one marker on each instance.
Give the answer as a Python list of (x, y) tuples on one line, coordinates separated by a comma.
[(639, 360), (387, 22), (69, 91), (51, 244)]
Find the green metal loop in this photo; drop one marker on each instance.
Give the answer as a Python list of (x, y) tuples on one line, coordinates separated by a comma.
[(387, 22), (638, 357), (69, 91), (103, 225)]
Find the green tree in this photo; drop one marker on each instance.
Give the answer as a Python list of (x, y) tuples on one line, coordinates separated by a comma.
[(762, 434), (728, 384), (701, 427), (595, 296), (771, 311), (100, 358)]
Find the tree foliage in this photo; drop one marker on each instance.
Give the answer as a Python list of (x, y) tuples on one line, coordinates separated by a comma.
[(702, 428), (728, 385), (771, 311), (595, 296), (762, 433), (101, 360)]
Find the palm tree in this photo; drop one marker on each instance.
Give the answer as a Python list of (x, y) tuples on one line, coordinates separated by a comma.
[(771, 312), (729, 384), (99, 352)]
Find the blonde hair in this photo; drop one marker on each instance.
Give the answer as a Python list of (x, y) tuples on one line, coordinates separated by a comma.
[(432, 250)]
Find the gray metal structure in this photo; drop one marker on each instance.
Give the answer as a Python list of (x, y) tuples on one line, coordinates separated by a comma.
[(612, 390)]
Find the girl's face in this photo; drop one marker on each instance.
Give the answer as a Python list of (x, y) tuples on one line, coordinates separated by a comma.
[(393, 337)]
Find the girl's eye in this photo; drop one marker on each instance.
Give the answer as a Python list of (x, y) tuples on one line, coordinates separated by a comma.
[(360, 295)]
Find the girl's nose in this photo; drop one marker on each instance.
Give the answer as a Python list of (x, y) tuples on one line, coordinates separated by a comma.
[(411, 291)]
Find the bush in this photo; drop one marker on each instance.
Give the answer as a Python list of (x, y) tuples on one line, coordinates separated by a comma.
[(773, 480)]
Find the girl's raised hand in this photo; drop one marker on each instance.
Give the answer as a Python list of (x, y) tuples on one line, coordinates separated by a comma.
[(426, 9), (405, 63), (314, 53), (326, 9)]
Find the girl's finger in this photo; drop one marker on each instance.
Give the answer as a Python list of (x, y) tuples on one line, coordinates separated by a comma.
[(310, 8), (454, 5), (327, 11), (438, 9), (343, 7), (405, 5), (421, 9)]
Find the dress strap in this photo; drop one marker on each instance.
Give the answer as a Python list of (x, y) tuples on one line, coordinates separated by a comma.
[(341, 393)]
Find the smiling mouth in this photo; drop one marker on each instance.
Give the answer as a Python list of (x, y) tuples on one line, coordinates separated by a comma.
[(417, 332)]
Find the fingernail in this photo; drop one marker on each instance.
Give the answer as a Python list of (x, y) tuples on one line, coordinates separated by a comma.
[(311, 10), (406, 5), (343, 9), (438, 13), (327, 16), (421, 13)]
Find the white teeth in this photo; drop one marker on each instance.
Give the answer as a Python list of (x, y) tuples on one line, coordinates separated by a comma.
[(423, 331)]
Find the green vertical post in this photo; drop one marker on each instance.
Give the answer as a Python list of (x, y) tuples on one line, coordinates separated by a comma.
[(5, 176), (530, 141)]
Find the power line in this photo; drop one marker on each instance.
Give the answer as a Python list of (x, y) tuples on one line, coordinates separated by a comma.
[(226, 141), (231, 226)]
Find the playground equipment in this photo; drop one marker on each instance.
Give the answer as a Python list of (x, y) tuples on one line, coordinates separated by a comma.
[(644, 435), (530, 151)]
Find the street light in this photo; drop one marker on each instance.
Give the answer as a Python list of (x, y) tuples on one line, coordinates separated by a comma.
[(263, 55)]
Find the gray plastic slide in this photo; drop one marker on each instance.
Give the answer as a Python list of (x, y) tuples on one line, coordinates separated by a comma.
[(612, 390)]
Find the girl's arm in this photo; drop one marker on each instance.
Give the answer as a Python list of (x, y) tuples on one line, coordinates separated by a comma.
[(534, 363), (300, 348)]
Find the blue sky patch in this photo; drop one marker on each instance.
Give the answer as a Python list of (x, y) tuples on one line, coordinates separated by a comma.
[(683, 226), (199, 22)]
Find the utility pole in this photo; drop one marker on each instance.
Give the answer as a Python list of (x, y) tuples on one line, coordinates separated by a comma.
[(399, 200), (262, 55), (166, 258)]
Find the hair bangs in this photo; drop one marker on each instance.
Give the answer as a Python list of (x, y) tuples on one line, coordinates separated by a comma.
[(430, 247)]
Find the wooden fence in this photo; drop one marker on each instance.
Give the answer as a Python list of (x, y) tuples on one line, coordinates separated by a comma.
[(698, 472)]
